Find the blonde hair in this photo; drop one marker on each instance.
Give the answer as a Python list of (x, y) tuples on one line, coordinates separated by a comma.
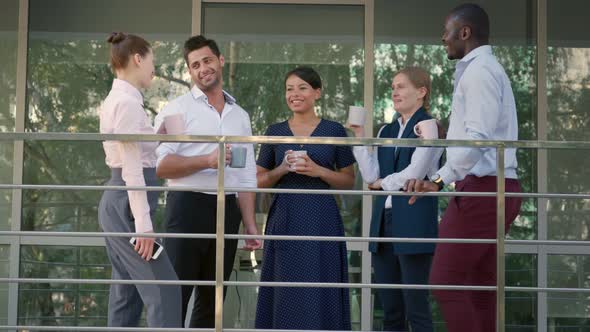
[(420, 79)]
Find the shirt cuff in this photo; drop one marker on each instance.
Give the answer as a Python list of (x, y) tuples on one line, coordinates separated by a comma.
[(388, 183), (447, 175)]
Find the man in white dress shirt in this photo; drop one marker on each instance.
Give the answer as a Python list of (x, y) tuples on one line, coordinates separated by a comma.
[(483, 108), (207, 110)]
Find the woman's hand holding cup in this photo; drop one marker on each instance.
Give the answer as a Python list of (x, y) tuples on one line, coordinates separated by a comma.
[(295, 158)]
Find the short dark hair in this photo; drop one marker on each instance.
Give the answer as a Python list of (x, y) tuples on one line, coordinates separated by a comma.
[(307, 74), (198, 42), (476, 17), (123, 46)]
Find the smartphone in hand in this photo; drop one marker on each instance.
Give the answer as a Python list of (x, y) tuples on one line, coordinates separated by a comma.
[(157, 250)]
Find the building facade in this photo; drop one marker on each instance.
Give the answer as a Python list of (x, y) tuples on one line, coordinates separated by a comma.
[(55, 73)]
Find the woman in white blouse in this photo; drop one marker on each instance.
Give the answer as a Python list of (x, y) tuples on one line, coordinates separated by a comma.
[(131, 211), (389, 168)]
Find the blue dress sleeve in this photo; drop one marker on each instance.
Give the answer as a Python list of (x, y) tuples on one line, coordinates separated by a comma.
[(266, 156), (344, 156)]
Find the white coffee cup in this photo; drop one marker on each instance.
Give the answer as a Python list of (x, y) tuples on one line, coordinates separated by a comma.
[(357, 115), (427, 129), (299, 158), (174, 124)]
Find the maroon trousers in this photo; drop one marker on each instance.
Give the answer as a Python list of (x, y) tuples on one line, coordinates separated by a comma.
[(470, 264)]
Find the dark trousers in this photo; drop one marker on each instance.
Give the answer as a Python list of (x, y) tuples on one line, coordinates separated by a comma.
[(470, 264), (194, 259), (401, 305)]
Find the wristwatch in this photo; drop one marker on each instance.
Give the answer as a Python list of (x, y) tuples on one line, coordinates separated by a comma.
[(436, 179)]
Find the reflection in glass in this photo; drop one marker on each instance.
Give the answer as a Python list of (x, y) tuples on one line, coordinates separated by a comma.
[(402, 41), (68, 77), (63, 304), (568, 86), (568, 311), (4, 273), (240, 303), (568, 83), (8, 55), (521, 307), (261, 43)]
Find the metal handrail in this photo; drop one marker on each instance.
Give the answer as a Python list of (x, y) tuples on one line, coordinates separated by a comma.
[(287, 284), (222, 141), (291, 191), (403, 142)]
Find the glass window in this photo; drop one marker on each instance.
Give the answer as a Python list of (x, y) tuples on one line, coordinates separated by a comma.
[(521, 307), (568, 311), (8, 55), (261, 43), (403, 40), (63, 304), (4, 273), (69, 76), (240, 303), (568, 85)]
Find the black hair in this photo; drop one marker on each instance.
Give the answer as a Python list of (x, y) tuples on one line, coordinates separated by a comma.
[(476, 18), (307, 74), (198, 42)]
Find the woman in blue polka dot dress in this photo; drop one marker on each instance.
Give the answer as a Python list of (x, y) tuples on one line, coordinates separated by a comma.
[(304, 166)]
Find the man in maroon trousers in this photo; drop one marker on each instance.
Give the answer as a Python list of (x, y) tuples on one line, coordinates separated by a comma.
[(483, 108)]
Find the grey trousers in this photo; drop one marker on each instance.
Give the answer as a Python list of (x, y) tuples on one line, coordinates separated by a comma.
[(126, 301)]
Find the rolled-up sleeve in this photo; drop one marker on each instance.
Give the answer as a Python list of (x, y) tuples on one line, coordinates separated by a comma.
[(165, 148)]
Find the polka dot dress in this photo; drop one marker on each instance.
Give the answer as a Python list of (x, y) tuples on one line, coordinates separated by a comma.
[(304, 261)]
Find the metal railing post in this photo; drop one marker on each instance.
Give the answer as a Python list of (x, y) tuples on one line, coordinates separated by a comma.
[(501, 230), (219, 237)]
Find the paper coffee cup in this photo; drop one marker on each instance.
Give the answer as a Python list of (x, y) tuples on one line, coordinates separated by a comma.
[(174, 124), (238, 157), (426, 129), (357, 115)]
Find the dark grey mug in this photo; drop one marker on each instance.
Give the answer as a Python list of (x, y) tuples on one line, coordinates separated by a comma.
[(238, 157)]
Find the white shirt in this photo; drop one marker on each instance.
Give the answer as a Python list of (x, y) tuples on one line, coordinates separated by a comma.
[(122, 113), (424, 162), (483, 108), (203, 119)]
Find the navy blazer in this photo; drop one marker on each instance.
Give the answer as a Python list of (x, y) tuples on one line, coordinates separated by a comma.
[(419, 220)]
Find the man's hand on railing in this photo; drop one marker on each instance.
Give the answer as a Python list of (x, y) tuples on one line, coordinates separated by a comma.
[(419, 186), (252, 244)]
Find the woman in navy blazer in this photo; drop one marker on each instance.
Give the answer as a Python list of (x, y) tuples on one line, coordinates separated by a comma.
[(388, 168)]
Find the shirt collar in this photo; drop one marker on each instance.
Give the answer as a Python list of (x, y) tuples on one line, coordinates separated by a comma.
[(481, 50), (128, 88), (463, 63), (401, 124), (198, 93), (399, 117)]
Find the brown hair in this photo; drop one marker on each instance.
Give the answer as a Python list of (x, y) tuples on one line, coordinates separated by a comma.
[(420, 79), (123, 46)]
